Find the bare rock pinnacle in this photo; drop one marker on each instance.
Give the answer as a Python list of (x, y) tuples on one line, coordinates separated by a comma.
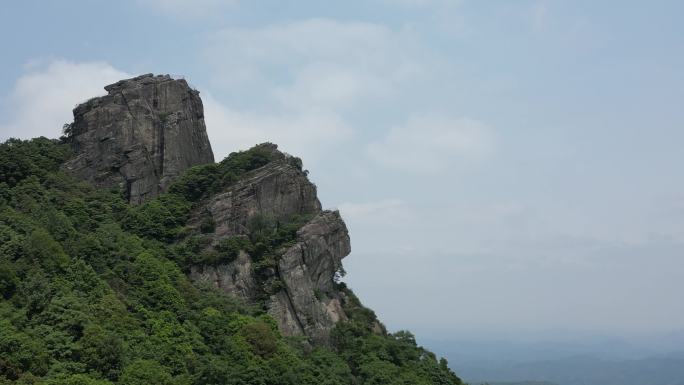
[(140, 136)]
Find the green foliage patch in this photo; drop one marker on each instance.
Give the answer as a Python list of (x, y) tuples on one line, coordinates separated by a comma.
[(93, 292)]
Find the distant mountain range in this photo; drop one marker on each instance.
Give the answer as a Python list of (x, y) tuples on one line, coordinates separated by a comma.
[(517, 383), (585, 370), (591, 360)]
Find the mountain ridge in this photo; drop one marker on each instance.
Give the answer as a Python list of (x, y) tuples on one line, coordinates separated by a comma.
[(215, 273), (140, 136)]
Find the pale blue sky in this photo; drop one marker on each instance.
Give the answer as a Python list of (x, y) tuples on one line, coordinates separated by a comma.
[(505, 167)]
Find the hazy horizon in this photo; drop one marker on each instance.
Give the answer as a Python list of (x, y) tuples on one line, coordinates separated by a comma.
[(507, 170)]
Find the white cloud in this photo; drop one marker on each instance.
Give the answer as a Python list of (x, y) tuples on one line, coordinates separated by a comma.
[(421, 3), (42, 100), (331, 86), (188, 8), (432, 143), (539, 16), (319, 39), (300, 134), (381, 225), (361, 211), (304, 78), (315, 63)]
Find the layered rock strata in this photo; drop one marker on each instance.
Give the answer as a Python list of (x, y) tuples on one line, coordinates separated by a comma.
[(140, 136), (308, 303)]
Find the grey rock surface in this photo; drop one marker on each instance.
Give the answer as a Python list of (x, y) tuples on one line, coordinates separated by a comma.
[(235, 278), (150, 129), (277, 191), (308, 304), (140, 136)]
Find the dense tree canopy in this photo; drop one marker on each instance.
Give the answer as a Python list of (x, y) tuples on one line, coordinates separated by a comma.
[(93, 291)]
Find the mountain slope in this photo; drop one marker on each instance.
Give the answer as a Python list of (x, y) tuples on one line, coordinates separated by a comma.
[(97, 291)]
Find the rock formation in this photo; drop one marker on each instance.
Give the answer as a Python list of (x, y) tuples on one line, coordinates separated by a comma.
[(278, 190), (140, 136), (149, 129), (308, 303)]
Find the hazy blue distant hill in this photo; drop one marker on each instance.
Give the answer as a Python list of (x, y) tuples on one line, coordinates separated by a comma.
[(662, 370), (517, 383), (577, 360)]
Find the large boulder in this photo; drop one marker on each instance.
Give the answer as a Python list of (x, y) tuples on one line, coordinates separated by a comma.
[(140, 136)]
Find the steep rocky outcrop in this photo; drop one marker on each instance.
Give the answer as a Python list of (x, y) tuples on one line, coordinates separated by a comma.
[(308, 303), (277, 190), (236, 278), (149, 129), (140, 136), (95, 290)]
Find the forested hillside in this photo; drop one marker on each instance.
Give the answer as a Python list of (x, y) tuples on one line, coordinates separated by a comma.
[(94, 290)]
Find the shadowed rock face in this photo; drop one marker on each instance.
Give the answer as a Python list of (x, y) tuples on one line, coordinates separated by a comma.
[(278, 191), (309, 304), (140, 136)]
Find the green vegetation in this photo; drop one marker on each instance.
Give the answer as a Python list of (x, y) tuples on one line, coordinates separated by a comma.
[(93, 291), (202, 181)]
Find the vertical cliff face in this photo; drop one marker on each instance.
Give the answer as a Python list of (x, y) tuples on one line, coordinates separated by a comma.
[(277, 190), (149, 129), (140, 136), (307, 302)]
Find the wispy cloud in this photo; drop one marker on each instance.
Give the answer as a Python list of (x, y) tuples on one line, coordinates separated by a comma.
[(432, 143), (303, 134), (539, 15), (307, 76), (312, 76), (421, 3), (364, 210), (42, 99), (188, 9), (316, 62)]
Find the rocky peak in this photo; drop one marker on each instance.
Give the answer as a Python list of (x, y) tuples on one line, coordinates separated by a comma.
[(277, 191), (307, 302), (140, 136), (148, 130)]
